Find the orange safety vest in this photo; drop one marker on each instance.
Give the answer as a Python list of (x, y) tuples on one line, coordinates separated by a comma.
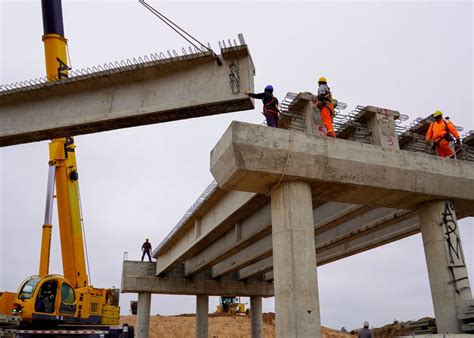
[(440, 129)]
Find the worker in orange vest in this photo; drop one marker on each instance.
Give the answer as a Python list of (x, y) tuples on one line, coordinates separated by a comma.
[(326, 105), (440, 135)]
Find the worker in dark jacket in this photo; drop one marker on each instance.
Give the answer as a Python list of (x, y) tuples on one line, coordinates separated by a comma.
[(270, 105), (146, 248), (365, 331)]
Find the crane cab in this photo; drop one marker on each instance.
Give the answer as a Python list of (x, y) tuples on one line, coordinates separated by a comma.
[(52, 298), (49, 298)]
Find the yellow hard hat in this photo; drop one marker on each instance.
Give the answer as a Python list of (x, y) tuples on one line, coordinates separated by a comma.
[(322, 79), (437, 113)]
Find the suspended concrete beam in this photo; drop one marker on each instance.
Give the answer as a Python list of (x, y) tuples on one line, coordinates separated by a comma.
[(140, 277), (158, 91), (253, 158)]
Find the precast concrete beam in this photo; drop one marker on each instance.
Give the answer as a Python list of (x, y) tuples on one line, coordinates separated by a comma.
[(244, 233), (140, 277), (328, 215), (372, 239), (257, 269), (215, 221), (378, 227), (158, 91), (253, 158), (250, 255)]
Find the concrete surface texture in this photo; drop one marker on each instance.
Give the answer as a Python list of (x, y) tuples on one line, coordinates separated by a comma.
[(253, 158), (447, 272), (143, 314), (358, 195), (152, 92), (294, 258)]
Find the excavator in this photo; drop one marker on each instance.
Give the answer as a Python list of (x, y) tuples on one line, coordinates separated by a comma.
[(50, 300)]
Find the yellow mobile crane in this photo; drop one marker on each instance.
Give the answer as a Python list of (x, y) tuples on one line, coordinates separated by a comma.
[(47, 300)]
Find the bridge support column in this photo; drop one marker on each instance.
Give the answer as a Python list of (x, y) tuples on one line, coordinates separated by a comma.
[(143, 314), (294, 261), (447, 271), (256, 325), (202, 313)]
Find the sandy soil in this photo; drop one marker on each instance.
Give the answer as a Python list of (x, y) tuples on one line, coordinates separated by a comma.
[(220, 326)]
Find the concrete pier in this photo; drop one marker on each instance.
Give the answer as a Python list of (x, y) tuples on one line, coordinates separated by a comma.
[(256, 324), (447, 272), (294, 261), (202, 312), (143, 314)]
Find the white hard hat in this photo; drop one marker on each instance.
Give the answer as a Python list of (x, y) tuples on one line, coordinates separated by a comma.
[(366, 324)]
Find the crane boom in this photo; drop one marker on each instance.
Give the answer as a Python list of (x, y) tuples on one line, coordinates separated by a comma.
[(63, 159)]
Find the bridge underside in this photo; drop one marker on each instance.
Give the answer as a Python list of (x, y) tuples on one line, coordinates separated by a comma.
[(363, 197)]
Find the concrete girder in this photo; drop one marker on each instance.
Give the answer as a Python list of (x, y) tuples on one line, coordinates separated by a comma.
[(372, 240), (369, 221), (259, 268), (158, 91), (140, 277), (250, 255), (355, 237), (217, 218), (250, 230), (252, 158), (328, 215)]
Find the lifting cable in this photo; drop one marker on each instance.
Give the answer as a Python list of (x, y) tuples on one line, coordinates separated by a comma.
[(180, 31), (84, 234)]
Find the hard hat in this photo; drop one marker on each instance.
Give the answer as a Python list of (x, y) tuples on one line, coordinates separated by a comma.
[(322, 79), (366, 324), (437, 113), (269, 88)]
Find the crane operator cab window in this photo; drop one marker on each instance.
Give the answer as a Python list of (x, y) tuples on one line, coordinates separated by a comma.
[(46, 297), (68, 299)]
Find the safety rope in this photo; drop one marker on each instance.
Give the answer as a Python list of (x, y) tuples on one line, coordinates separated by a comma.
[(180, 31), (290, 143)]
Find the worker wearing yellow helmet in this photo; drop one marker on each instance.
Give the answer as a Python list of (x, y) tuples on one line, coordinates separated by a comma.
[(441, 133), (326, 106)]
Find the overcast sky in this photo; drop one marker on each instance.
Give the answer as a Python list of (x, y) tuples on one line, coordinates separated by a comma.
[(413, 57)]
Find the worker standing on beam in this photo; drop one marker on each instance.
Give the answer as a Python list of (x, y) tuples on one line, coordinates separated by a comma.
[(270, 105), (440, 135), (326, 105), (146, 248)]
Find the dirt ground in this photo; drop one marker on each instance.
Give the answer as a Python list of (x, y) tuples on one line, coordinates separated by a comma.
[(221, 326)]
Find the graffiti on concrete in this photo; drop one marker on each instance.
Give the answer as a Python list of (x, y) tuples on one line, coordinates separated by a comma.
[(451, 232)]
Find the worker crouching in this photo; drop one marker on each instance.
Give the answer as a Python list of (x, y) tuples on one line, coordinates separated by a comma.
[(440, 134), (325, 105)]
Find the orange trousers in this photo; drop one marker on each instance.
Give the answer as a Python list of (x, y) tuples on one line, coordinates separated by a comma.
[(327, 120), (443, 148)]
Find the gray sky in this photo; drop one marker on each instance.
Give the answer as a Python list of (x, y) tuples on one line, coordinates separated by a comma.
[(413, 57)]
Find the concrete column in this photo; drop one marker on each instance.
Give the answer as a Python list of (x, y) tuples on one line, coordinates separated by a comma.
[(312, 118), (294, 261), (202, 312), (256, 325), (447, 271), (143, 314), (382, 125)]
